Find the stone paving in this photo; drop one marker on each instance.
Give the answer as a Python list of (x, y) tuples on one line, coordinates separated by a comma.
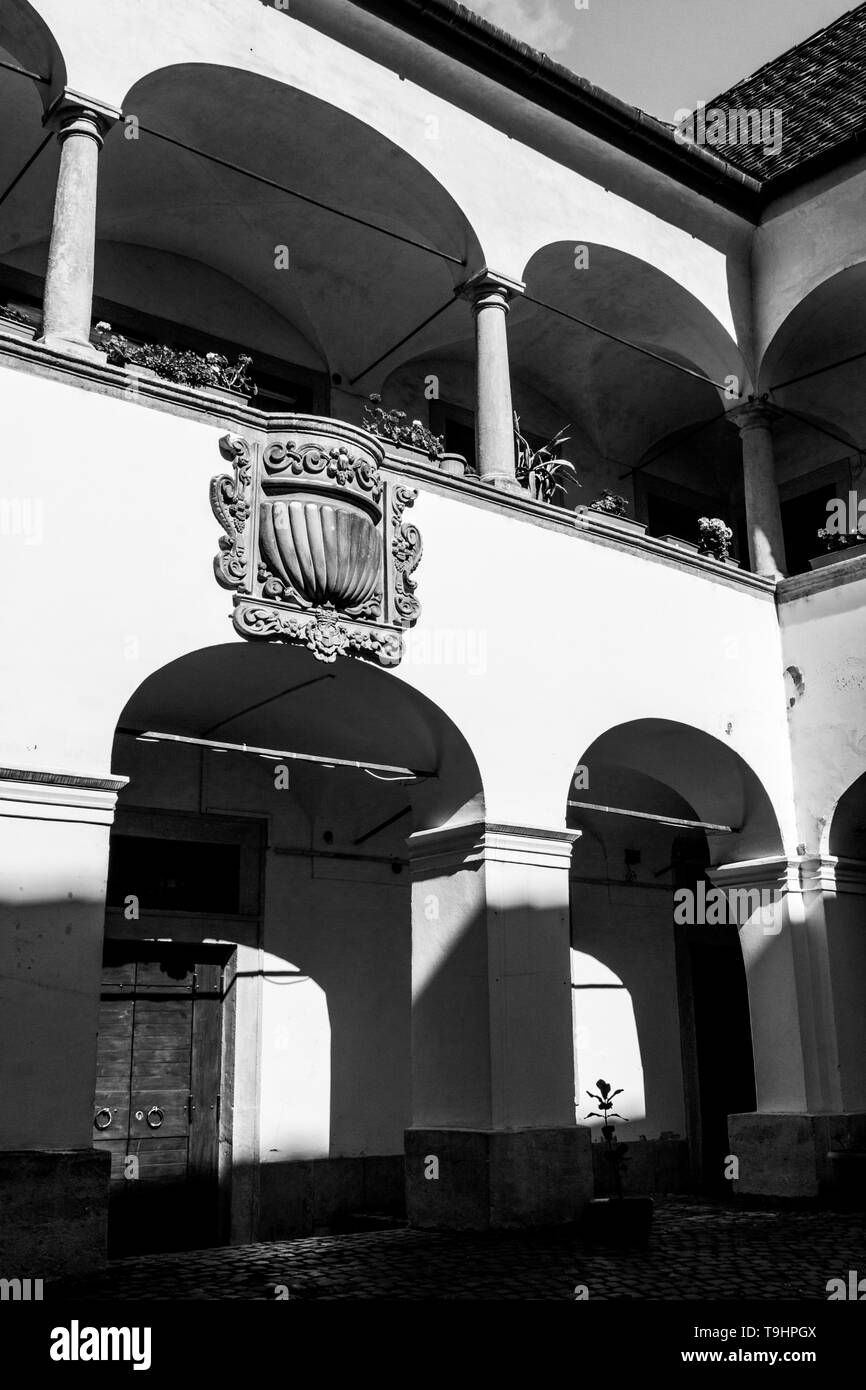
[(697, 1251)]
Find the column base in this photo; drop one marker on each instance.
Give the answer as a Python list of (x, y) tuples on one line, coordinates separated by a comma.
[(503, 482), (801, 1156), (55, 1212), (488, 1179), (73, 347)]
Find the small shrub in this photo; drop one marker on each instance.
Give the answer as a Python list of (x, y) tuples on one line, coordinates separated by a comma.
[(715, 537), (609, 502), (183, 366), (394, 425)]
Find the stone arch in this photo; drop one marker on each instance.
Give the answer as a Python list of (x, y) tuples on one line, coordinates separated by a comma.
[(31, 42), (844, 835), (824, 327), (324, 940), (185, 240), (630, 875), (618, 402)]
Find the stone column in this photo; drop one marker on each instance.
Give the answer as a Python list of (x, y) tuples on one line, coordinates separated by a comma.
[(491, 295), (81, 125), (54, 829), (805, 959), (763, 511), (493, 1139)]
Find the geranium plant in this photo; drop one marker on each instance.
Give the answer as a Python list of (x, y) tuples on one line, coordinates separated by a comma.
[(183, 366), (8, 311), (395, 425), (542, 467), (840, 540), (715, 537), (609, 502)]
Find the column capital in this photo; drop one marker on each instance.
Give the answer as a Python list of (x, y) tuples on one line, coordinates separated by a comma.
[(755, 414), (489, 286), (776, 871), (73, 113), (834, 874), (488, 841)]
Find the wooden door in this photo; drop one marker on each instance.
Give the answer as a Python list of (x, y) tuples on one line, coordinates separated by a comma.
[(158, 1094)]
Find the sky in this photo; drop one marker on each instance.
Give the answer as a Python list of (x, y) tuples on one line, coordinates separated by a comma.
[(662, 55)]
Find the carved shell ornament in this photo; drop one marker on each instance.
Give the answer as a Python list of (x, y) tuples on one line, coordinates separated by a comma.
[(315, 546)]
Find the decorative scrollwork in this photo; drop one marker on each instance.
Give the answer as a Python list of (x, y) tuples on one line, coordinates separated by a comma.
[(230, 503), (336, 462), (321, 632), (406, 549), (315, 542)]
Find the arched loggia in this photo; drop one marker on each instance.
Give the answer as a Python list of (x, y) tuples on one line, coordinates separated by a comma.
[(195, 252), (261, 840), (660, 806), (811, 374)]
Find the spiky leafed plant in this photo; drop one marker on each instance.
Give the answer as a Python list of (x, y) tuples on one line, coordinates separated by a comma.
[(542, 464)]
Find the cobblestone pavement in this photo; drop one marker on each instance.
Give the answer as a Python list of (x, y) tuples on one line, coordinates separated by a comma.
[(697, 1251)]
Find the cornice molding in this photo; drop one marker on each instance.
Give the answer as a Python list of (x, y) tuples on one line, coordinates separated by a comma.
[(49, 793), (485, 842)]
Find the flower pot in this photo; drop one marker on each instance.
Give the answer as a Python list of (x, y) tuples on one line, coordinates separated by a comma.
[(610, 521), (833, 557), (11, 328), (412, 453), (680, 544), (224, 393), (453, 464), (618, 1221), (140, 373)]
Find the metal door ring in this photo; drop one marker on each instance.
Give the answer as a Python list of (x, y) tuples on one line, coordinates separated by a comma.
[(99, 1122), (155, 1117)]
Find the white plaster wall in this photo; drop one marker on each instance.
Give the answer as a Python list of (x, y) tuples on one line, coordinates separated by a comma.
[(118, 581), (824, 637)]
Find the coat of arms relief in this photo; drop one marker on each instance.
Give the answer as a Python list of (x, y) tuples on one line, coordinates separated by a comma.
[(315, 545)]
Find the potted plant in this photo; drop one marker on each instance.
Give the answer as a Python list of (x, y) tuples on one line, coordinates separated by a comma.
[(715, 538), (609, 502), (615, 1218), (608, 513), (838, 545), (211, 371), (16, 324), (412, 436), (540, 470)]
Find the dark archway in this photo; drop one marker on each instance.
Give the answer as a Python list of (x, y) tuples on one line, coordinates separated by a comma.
[(684, 971), (302, 868)]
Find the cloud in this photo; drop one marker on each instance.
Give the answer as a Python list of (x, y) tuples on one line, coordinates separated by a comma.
[(540, 23)]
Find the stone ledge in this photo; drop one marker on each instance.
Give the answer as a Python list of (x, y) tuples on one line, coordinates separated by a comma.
[(197, 403)]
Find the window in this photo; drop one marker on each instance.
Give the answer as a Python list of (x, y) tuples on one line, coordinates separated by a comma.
[(174, 875), (456, 426)]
